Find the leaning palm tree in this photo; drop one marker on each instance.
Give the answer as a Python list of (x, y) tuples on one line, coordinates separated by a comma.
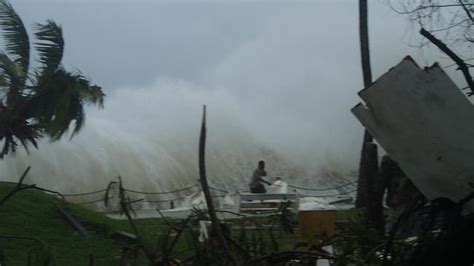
[(46, 101)]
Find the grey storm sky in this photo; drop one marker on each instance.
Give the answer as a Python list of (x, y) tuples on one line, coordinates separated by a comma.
[(131, 43)]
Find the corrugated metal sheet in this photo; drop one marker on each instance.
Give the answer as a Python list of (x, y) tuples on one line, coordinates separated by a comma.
[(421, 118)]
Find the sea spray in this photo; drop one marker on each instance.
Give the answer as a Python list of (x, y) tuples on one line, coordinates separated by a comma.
[(271, 96), (149, 137)]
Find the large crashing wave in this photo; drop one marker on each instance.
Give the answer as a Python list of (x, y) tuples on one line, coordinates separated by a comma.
[(149, 136), (279, 97)]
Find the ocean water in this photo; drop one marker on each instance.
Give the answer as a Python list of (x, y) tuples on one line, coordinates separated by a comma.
[(149, 137)]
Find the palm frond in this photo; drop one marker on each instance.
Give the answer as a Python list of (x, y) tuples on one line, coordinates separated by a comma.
[(11, 79), (68, 114), (3, 82), (89, 94), (16, 128), (92, 94), (50, 45), (79, 117), (47, 101), (15, 36), (59, 99)]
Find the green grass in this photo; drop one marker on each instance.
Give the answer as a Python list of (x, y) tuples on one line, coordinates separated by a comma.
[(344, 215), (33, 213)]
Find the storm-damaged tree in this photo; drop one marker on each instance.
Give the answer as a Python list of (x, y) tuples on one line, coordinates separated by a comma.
[(41, 102), (452, 22), (370, 186), (363, 181)]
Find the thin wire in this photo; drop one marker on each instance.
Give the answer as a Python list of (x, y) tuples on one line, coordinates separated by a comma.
[(323, 189), (83, 194), (159, 201), (90, 202), (157, 193), (332, 195), (219, 189)]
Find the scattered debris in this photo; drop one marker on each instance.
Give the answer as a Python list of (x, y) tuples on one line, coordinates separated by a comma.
[(124, 236), (75, 223), (266, 202)]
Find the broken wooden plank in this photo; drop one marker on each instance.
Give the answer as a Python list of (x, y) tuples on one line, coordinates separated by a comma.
[(266, 202), (75, 223), (268, 196), (124, 236), (426, 124)]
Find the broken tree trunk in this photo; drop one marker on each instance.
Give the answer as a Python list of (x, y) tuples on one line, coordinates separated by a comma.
[(364, 43), (364, 183), (384, 177), (370, 169), (205, 188)]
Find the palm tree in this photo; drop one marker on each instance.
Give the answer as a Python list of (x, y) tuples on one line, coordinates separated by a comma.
[(46, 101)]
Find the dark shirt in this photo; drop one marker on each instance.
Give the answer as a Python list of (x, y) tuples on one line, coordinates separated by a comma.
[(256, 179)]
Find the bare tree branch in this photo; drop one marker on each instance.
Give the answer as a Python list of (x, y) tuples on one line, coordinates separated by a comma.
[(423, 7), (462, 65), (452, 17), (452, 25), (464, 7)]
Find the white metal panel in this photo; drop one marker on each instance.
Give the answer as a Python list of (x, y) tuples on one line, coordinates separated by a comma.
[(426, 124)]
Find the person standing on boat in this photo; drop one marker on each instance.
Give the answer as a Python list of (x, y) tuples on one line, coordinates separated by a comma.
[(256, 181)]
